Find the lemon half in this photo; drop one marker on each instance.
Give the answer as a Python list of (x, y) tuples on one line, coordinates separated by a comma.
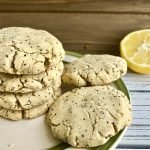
[(135, 48)]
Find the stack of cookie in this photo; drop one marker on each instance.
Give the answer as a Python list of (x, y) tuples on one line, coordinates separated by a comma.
[(30, 72)]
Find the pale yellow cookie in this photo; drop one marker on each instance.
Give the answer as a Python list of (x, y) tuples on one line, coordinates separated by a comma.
[(94, 70), (18, 101), (89, 116), (29, 83), (28, 51), (29, 113)]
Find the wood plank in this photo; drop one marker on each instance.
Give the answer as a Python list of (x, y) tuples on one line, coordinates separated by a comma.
[(141, 117), (43, 1), (138, 131), (85, 29), (136, 141), (137, 82), (134, 6), (89, 48), (140, 99), (140, 108), (136, 137), (140, 96)]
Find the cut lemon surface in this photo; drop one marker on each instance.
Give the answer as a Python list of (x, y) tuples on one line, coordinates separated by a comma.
[(135, 48)]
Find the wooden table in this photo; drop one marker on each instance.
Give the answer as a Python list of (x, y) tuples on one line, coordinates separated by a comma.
[(138, 134), (93, 26)]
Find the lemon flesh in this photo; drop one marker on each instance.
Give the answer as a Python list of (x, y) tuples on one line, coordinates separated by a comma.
[(135, 48)]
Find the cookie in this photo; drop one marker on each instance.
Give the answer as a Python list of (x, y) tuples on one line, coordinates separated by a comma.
[(89, 116), (10, 114), (41, 109), (28, 51), (94, 70), (27, 100), (29, 83), (30, 113)]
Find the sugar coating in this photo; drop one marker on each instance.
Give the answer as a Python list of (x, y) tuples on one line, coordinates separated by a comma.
[(29, 83), (29, 113), (94, 70), (89, 116), (28, 51)]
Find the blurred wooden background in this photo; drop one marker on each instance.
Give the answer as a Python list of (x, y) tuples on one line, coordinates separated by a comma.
[(87, 26)]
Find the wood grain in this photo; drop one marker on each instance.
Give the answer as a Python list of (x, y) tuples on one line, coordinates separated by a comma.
[(138, 134), (43, 1), (80, 31), (138, 83), (128, 6)]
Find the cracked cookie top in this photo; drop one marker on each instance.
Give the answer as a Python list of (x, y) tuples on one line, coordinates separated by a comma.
[(29, 83), (94, 70), (29, 113), (21, 101), (28, 51), (89, 116)]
